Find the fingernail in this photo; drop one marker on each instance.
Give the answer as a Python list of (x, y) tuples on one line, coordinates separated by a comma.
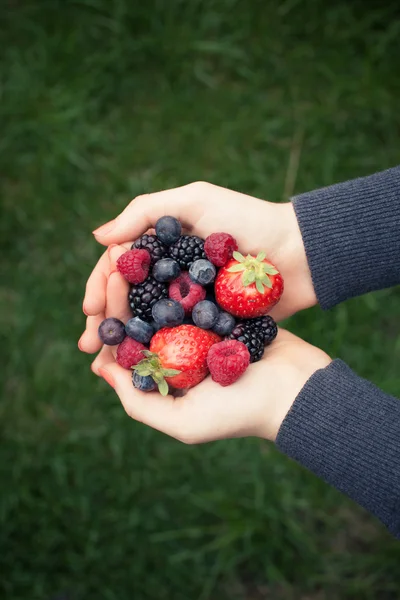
[(107, 377), (84, 310), (104, 229)]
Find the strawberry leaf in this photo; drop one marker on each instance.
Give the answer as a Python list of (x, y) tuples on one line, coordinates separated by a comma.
[(148, 354), (144, 371), (170, 372), (163, 387), (266, 281), (141, 366), (259, 286), (248, 278), (270, 270), (261, 256), (237, 256), (236, 268)]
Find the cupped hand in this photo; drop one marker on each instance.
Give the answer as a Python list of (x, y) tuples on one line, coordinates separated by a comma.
[(203, 209), (255, 405)]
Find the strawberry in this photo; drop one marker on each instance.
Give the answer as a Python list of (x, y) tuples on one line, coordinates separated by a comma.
[(248, 286), (177, 357)]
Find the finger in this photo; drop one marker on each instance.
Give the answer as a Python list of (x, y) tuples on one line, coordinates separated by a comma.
[(104, 357), (95, 295), (143, 212), (150, 408), (117, 297), (89, 341)]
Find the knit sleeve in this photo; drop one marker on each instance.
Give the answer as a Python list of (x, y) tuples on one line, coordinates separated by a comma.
[(347, 431), (351, 234)]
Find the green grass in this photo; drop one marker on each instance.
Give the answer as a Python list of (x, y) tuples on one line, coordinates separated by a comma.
[(102, 100)]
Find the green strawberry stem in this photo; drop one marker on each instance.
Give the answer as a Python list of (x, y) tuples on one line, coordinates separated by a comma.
[(254, 269), (151, 365)]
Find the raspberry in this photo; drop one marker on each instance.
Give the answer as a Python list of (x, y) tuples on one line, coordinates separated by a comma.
[(219, 248), (227, 361), (134, 265), (185, 291), (129, 353)]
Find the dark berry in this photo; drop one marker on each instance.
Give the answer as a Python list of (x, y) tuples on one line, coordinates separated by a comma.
[(144, 383), (185, 291), (205, 314), (168, 313), (112, 331), (251, 338), (139, 330), (186, 250), (166, 269), (266, 326), (152, 244), (168, 230), (155, 326), (225, 323), (142, 297), (202, 271)]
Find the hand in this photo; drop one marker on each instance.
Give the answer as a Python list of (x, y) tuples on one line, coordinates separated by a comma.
[(204, 209), (253, 406)]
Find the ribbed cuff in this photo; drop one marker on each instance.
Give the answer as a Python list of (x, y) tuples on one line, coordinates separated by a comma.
[(347, 431), (351, 234)]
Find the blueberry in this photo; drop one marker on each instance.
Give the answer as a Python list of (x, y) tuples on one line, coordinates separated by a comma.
[(139, 330), (111, 331), (155, 326), (168, 230), (168, 313), (202, 271), (166, 269), (205, 314), (144, 383), (225, 324)]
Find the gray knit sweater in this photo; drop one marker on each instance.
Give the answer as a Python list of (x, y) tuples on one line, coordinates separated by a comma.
[(342, 427)]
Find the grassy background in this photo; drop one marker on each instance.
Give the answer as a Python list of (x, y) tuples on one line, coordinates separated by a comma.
[(102, 100)]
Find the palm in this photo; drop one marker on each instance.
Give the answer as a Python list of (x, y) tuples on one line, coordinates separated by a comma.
[(254, 406)]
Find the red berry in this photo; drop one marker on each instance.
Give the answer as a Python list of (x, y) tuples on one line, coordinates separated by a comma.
[(134, 265), (248, 286), (227, 361), (186, 292), (129, 353), (219, 248), (184, 349)]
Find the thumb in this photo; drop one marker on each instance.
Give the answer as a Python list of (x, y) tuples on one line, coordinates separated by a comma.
[(144, 211)]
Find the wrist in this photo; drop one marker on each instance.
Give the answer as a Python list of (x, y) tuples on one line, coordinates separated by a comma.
[(295, 254), (292, 362)]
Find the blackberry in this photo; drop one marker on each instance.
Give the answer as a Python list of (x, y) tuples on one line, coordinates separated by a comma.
[(255, 333), (186, 250), (265, 326), (250, 338), (143, 296), (152, 244)]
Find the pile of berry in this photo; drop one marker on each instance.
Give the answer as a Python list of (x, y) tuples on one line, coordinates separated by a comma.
[(198, 306)]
